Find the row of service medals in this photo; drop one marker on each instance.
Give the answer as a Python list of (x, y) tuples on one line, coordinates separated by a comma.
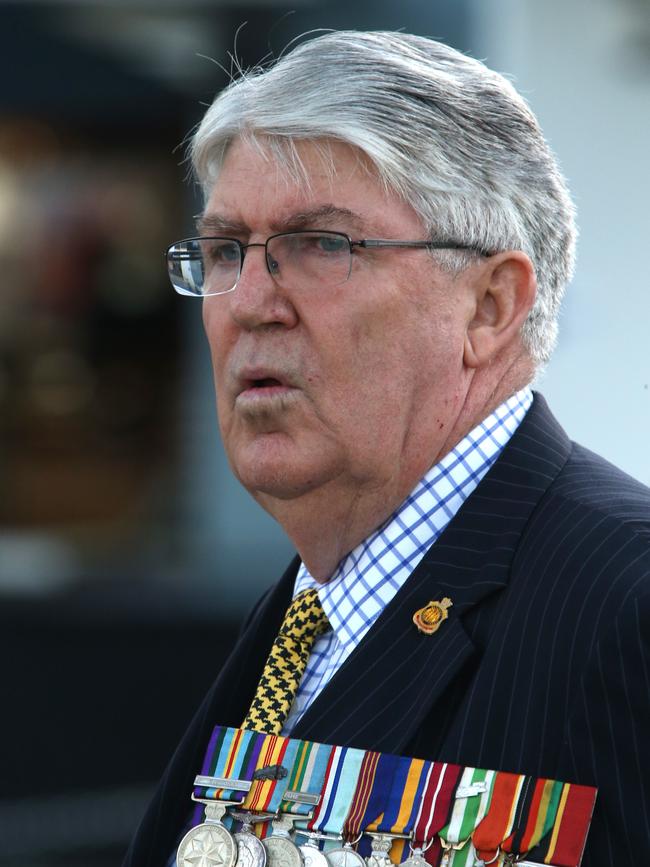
[(211, 844), (320, 800)]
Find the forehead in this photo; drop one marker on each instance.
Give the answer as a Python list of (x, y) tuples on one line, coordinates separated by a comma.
[(328, 182)]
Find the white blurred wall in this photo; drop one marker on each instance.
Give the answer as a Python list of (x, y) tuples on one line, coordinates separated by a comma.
[(584, 66)]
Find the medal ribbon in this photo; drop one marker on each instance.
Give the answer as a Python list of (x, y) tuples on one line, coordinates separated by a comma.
[(231, 754), (372, 794), (535, 815), (435, 806), (467, 812), (499, 819), (265, 794), (341, 777), (544, 821), (565, 844), (402, 805), (307, 776)]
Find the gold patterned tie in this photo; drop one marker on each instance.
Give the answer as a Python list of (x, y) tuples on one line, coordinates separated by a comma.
[(303, 622)]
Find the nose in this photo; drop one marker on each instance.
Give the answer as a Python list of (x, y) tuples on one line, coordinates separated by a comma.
[(258, 299)]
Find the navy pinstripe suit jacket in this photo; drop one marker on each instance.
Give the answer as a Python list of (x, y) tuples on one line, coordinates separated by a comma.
[(542, 668)]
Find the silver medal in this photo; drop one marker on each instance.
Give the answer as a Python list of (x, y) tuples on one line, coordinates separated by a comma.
[(345, 857), (310, 852), (313, 856), (282, 852), (381, 844), (250, 850), (416, 858), (208, 845)]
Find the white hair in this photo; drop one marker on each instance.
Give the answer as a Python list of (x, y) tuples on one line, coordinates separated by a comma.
[(450, 136)]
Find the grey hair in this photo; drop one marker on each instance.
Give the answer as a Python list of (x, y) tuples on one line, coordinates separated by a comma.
[(450, 136)]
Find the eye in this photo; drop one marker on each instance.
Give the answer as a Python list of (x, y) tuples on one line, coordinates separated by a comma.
[(219, 251), (331, 244), (314, 244)]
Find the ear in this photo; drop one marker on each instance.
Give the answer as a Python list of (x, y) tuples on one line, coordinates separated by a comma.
[(504, 292)]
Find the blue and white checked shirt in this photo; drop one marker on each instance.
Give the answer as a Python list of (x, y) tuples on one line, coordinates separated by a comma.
[(370, 576)]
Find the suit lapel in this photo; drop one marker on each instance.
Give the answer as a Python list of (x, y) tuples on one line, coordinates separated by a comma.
[(396, 675)]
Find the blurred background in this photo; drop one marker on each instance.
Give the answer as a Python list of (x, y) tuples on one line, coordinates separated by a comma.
[(128, 555)]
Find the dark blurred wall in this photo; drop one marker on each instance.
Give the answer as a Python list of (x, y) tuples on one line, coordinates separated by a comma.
[(127, 551)]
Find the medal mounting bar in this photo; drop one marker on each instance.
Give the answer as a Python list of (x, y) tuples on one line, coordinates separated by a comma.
[(312, 836), (223, 783), (302, 798)]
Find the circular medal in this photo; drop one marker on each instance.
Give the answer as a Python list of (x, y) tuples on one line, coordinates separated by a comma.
[(415, 860), (379, 861), (209, 844), (250, 850), (313, 856), (345, 857), (282, 852), (381, 845)]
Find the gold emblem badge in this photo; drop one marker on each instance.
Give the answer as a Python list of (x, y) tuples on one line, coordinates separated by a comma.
[(429, 618)]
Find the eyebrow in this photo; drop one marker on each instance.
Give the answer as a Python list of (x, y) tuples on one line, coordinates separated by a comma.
[(318, 218), (322, 217), (216, 223)]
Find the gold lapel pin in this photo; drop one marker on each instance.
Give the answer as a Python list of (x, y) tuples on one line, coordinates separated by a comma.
[(429, 618)]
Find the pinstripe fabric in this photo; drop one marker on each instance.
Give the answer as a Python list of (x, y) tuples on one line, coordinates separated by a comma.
[(542, 667)]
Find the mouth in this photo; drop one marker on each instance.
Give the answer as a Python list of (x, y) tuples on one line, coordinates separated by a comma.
[(265, 382), (259, 384)]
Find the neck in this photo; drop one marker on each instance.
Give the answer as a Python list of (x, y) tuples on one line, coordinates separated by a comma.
[(326, 524)]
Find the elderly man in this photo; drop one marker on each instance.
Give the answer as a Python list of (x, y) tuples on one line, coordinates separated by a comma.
[(385, 243)]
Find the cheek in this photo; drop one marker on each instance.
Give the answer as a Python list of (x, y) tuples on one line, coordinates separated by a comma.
[(215, 331)]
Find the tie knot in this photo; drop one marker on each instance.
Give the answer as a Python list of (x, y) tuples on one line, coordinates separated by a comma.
[(305, 618)]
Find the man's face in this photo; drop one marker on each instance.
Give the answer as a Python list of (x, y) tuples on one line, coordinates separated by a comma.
[(353, 388)]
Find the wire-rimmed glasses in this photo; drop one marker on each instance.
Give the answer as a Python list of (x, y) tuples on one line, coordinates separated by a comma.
[(311, 260)]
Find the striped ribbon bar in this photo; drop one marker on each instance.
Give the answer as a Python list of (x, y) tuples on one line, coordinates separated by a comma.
[(435, 807), (374, 793), (341, 776), (335, 790), (564, 846), (229, 764), (276, 758), (303, 792), (498, 822), (472, 801), (534, 817), (403, 805)]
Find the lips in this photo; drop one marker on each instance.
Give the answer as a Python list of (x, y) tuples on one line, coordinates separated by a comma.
[(262, 379)]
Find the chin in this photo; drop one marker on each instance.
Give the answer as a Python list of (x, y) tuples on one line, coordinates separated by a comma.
[(282, 466), (275, 484), (280, 477)]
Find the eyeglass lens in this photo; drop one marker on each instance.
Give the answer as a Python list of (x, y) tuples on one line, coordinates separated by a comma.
[(211, 266)]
